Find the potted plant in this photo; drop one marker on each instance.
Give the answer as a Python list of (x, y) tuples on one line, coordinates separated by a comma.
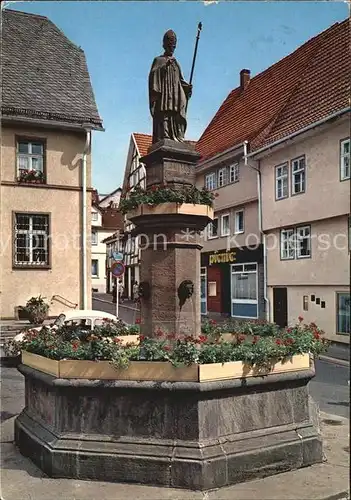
[(32, 176), (36, 310)]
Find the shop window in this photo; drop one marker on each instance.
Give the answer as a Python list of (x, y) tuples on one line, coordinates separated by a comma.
[(244, 290), (343, 313), (203, 284)]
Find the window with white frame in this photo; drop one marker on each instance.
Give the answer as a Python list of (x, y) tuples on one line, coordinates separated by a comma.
[(30, 156), (31, 240), (234, 173), (287, 244), (295, 243), (225, 225), (298, 175), (210, 181), (281, 182), (239, 222), (343, 306), (95, 268), (303, 242), (222, 176), (345, 159), (94, 238), (244, 290), (213, 229), (94, 216)]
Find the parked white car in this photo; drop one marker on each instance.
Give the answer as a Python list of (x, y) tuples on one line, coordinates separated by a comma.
[(88, 318)]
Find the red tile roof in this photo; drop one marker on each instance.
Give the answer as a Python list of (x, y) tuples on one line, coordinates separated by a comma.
[(112, 219), (304, 87), (143, 142)]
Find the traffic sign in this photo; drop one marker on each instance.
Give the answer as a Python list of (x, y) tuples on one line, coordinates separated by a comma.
[(117, 256), (117, 269)]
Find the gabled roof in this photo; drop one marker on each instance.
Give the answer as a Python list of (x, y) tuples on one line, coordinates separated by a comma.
[(143, 142), (306, 86), (104, 197), (44, 75)]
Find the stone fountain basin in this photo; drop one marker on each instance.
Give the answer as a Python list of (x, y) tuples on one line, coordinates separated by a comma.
[(161, 370)]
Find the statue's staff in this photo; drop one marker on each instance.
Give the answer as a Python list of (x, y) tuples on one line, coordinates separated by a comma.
[(199, 28)]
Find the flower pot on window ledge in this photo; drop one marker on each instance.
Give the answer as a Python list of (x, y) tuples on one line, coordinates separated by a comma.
[(31, 177)]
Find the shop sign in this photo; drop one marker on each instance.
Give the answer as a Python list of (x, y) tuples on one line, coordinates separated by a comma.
[(222, 258)]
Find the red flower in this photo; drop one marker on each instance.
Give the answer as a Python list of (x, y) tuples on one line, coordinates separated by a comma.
[(167, 348), (278, 342), (300, 318), (75, 345), (189, 338), (213, 322), (138, 321), (289, 341), (117, 340), (241, 338), (159, 333), (202, 339), (255, 339), (216, 195), (171, 336), (154, 188), (316, 335), (142, 338)]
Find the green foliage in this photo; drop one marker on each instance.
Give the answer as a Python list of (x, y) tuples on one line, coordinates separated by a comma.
[(163, 194), (36, 309), (255, 350)]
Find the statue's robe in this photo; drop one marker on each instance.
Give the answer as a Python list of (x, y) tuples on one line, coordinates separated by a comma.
[(168, 99)]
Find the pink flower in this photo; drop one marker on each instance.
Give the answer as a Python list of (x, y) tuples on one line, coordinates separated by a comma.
[(138, 321), (300, 318)]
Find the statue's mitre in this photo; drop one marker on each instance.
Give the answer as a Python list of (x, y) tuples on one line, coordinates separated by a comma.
[(170, 36)]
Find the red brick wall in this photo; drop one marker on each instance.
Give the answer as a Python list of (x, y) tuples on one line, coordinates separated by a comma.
[(214, 304)]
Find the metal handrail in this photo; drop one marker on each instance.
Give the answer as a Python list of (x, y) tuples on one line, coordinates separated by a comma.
[(59, 298)]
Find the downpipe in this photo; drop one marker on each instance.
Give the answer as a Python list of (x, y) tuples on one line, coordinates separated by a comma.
[(84, 217), (262, 234)]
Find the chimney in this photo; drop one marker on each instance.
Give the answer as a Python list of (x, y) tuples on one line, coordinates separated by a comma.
[(244, 78)]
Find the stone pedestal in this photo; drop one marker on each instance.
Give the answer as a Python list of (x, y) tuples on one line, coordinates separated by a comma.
[(170, 245), (181, 434)]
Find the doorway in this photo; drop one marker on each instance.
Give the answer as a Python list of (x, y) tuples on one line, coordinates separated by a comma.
[(280, 306)]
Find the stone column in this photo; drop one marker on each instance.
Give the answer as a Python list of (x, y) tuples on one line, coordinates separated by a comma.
[(170, 242)]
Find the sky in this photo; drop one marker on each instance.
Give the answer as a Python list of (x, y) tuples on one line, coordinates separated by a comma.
[(120, 40)]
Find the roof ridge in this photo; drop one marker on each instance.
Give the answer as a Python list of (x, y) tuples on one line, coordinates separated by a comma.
[(222, 107), (325, 34), (21, 12)]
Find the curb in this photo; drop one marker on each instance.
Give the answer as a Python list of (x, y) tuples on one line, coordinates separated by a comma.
[(343, 495), (119, 305), (336, 361)]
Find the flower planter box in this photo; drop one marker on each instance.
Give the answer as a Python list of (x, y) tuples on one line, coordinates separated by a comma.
[(172, 208), (159, 370), (129, 339)]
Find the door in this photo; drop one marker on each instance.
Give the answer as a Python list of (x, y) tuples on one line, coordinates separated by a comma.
[(203, 279), (280, 306)]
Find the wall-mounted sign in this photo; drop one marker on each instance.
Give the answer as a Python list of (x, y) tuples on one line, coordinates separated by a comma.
[(117, 256), (222, 258)]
